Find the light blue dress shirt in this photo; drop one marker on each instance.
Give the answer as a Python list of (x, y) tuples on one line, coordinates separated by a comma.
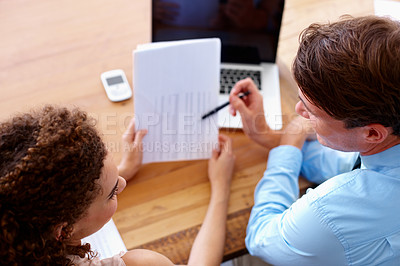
[(353, 218)]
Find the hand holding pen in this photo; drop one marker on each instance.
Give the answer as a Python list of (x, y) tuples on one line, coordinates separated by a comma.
[(250, 106), (215, 110), (251, 109)]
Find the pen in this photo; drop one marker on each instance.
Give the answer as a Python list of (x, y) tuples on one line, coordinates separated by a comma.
[(213, 111)]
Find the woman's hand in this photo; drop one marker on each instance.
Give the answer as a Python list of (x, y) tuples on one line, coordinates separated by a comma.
[(132, 151), (220, 167), (211, 237)]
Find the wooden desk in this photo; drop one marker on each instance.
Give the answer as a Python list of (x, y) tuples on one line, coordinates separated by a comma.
[(54, 52)]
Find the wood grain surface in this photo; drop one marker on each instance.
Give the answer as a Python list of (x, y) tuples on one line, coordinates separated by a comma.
[(54, 52)]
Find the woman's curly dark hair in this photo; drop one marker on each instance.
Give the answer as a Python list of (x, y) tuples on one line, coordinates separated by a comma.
[(50, 160)]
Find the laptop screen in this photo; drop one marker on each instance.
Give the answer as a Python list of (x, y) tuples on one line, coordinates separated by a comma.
[(248, 29)]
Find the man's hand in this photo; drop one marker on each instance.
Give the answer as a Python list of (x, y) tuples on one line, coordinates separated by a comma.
[(251, 110), (297, 132)]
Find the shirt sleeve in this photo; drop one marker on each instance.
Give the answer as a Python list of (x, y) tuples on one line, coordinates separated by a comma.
[(281, 230), (321, 163)]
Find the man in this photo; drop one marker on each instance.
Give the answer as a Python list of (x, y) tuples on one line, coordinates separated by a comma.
[(348, 73)]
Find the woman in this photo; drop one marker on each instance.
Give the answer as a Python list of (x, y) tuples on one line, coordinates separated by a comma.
[(58, 185)]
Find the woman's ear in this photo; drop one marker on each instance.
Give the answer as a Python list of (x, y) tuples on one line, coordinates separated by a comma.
[(375, 133), (59, 232)]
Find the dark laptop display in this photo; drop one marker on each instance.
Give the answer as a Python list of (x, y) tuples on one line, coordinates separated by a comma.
[(248, 29)]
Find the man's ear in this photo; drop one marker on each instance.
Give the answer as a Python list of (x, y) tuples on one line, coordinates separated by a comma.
[(59, 233), (375, 133)]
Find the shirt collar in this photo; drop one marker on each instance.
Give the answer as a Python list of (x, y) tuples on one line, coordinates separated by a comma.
[(387, 158)]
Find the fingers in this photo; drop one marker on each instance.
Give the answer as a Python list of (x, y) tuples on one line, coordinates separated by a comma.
[(138, 140), (237, 104), (221, 164), (130, 134), (225, 143), (225, 147), (244, 85), (215, 154), (301, 126)]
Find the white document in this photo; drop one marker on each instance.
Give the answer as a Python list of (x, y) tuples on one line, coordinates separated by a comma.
[(107, 241), (387, 8), (175, 83)]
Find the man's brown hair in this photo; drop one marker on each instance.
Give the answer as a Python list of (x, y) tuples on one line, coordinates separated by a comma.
[(351, 70)]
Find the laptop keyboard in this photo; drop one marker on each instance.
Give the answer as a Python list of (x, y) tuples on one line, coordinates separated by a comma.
[(230, 76)]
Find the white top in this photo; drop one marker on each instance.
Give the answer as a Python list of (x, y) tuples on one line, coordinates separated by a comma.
[(112, 261)]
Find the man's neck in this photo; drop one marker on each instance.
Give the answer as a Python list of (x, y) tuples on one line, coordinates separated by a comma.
[(389, 142)]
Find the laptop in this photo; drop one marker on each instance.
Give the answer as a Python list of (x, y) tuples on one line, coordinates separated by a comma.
[(249, 46)]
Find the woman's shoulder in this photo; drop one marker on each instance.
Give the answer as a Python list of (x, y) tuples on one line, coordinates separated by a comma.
[(138, 257), (115, 260)]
